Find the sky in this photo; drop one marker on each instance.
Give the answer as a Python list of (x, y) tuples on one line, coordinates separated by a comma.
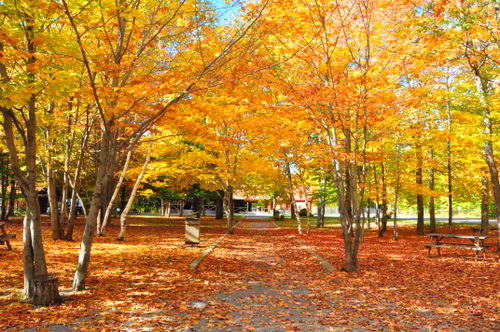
[(226, 9)]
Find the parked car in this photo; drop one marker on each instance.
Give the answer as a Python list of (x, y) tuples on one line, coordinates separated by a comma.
[(79, 207)]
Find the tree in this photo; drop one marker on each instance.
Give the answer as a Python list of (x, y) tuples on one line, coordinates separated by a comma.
[(339, 74), (126, 210), (473, 37), (24, 27), (6, 180), (121, 55)]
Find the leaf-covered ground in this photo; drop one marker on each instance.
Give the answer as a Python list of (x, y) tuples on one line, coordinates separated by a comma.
[(259, 279)]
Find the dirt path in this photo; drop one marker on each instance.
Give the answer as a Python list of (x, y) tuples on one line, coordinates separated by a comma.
[(265, 288)]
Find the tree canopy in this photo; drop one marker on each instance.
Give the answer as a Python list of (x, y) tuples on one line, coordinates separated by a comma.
[(387, 101)]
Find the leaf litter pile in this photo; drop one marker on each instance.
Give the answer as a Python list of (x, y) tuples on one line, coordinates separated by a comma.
[(258, 279)]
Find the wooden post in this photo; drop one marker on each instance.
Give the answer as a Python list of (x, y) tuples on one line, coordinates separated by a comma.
[(44, 290)]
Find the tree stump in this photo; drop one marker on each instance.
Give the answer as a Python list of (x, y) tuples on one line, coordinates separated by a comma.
[(44, 290)]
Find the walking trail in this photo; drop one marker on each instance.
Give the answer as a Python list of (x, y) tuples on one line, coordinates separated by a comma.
[(265, 276)]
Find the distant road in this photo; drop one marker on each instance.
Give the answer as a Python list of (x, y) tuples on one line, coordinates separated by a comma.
[(259, 215), (457, 220)]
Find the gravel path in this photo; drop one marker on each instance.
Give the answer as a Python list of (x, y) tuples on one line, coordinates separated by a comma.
[(267, 295)]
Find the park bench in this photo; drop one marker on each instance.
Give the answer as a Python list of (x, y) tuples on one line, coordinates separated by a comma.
[(5, 237), (479, 230), (453, 241)]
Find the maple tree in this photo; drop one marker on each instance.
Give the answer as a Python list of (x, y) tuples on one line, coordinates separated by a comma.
[(26, 81), (125, 63), (389, 101), (340, 73), (466, 29), (119, 45)]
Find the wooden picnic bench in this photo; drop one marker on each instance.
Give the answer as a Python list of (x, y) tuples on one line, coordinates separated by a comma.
[(479, 230), (475, 242), (5, 237)]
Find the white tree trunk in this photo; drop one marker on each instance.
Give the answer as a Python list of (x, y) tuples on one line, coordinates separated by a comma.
[(123, 215), (109, 209), (104, 173), (288, 174)]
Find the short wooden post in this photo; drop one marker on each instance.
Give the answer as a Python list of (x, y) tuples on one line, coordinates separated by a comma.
[(192, 231), (44, 290)]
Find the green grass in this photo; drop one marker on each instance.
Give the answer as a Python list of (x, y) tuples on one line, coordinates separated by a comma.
[(335, 221), (329, 222)]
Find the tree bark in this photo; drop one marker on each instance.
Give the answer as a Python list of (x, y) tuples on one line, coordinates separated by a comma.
[(109, 208), (229, 208), (293, 203), (420, 197), (4, 168), (395, 236), (449, 165), (320, 221), (484, 90), (350, 237), (53, 204), (485, 205), (219, 208), (77, 182), (12, 198), (383, 223), (105, 171), (368, 213), (43, 290), (123, 216), (432, 207), (34, 262)]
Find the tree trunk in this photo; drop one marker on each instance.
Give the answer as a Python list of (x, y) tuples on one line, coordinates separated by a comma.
[(368, 214), (123, 216), (229, 208), (53, 204), (395, 236), (432, 208), (420, 197), (109, 208), (293, 203), (50, 151), (105, 171), (33, 253), (76, 185), (306, 198), (64, 213), (449, 167), (4, 168), (12, 198), (383, 224), (181, 208), (485, 205), (351, 239), (168, 208), (484, 90), (377, 198), (320, 221), (43, 290), (219, 208), (203, 211)]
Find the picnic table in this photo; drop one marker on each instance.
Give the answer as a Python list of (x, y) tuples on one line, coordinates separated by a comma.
[(456, 241), (479, 230), (5, 237)]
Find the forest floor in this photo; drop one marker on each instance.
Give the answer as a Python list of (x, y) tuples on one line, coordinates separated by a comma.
[(258, 279)]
